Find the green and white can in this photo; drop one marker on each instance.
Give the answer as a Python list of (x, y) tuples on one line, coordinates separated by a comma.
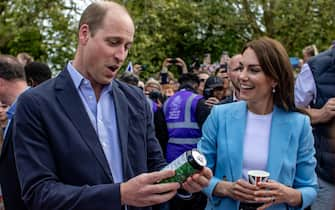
[(185, 165)]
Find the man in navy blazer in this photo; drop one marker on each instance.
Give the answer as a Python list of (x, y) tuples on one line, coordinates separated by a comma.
[(13, 83), (86, 141)]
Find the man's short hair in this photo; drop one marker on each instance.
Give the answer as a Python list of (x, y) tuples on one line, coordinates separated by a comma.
[(37, 72), (153, 83), (188, 79), (11, 68), (94, 15), (129, 78)]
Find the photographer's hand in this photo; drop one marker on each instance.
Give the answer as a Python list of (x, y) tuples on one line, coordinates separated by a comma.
[(211, 101), (166, 64), (180, 62)]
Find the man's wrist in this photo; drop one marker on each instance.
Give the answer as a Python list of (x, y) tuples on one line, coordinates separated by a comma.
[(122, 194), (183, 194), (164, 69)]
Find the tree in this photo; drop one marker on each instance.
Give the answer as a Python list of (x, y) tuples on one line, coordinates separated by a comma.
[(170, 28), (45, 29)]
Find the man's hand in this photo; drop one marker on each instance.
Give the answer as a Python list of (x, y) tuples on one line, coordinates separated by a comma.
[(211, 101), (198, 181), (325, 114), (143, 189)]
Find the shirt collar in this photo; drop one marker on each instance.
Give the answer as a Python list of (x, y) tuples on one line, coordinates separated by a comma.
[(78, 79), (75, 75), (11, 110)]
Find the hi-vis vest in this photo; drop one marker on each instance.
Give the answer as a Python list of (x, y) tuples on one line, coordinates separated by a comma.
[(180, 117)]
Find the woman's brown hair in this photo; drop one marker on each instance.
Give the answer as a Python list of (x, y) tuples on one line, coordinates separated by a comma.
[(275, 63)]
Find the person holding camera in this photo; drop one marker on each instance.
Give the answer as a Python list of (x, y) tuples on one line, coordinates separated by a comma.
[(165, 75), (214, 91), (180, 123), (152, 90)]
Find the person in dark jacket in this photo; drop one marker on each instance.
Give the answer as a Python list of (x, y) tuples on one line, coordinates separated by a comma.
[(36, 73), (180, 121), (13, 83), (314, 91), (84, 140)]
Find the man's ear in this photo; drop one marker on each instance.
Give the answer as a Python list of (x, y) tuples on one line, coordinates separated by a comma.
[(30, 82), (84, 34)]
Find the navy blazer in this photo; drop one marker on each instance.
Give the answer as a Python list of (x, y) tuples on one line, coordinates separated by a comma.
[(60, 162), (10, 185)]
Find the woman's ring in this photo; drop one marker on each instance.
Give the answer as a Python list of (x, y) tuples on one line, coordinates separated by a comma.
[(273, 199)]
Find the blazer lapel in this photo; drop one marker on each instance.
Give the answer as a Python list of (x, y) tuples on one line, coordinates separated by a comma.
[(67, 94), (236, 123), (280, 136), (122, 117)]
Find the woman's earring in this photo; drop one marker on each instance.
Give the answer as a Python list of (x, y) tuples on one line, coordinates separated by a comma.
[(273, 89)]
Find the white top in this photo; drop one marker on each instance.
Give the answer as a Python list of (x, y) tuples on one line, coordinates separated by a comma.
[(305, 89), (256, 142)]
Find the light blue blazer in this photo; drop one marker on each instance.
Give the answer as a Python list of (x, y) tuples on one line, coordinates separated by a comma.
[(291, 152)]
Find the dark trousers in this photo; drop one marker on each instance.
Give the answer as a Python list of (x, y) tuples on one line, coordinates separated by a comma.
[(197, 202), (249, 206)]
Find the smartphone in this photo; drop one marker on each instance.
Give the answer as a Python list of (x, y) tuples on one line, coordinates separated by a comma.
[(173, 60), (164, 78)]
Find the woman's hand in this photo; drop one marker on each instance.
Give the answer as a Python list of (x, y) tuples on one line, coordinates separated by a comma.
[(273, 192), (240, 190)]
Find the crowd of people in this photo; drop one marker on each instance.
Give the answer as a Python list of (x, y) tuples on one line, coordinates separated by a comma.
[(95, 138)]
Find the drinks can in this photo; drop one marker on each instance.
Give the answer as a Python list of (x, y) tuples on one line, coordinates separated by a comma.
[(185, 165)]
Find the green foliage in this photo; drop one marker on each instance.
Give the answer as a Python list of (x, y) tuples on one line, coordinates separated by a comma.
[(42, 28), (170, 28), (175, 28)]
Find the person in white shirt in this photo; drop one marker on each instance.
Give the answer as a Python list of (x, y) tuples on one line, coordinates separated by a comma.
[(314, 91)]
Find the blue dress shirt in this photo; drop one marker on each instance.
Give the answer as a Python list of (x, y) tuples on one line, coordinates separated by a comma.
[(103, 118)]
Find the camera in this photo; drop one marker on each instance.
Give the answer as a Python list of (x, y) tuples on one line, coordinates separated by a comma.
[(195, 64), (155, 95), (164, 78), (224, 66), (208, 92), (144, 67), (173, 60), (140, 67)]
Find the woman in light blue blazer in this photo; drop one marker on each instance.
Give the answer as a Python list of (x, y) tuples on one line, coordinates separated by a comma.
[(265, 131)]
